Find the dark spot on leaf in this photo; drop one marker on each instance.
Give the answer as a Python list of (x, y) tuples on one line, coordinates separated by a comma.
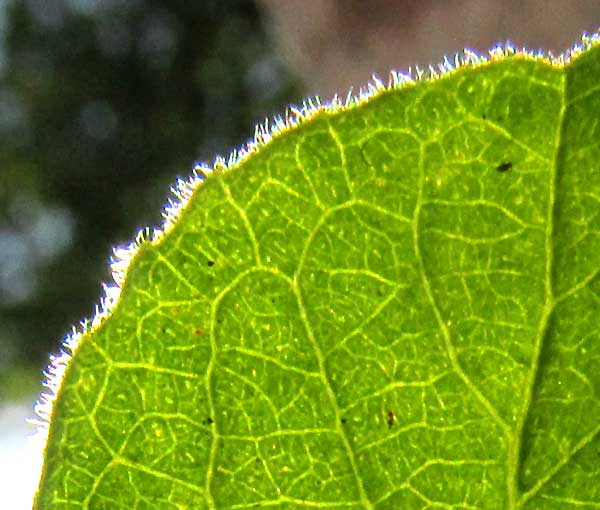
[(344, 421), (198, 331), (504, 167), (210, 263), (391, 419), (208, 421), (484, 116)]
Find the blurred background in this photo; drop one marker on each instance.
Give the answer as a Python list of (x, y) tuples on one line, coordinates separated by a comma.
[(104, 103)]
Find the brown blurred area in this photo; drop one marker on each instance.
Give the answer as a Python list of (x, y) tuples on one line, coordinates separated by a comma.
[(337, 44)]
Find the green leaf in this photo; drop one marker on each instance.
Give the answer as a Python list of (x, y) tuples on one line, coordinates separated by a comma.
[(393, 304)]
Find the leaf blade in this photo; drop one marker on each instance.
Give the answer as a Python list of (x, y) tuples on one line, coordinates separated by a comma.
[(366, 313)]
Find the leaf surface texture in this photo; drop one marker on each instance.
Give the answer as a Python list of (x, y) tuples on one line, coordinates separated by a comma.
[(394, 306)]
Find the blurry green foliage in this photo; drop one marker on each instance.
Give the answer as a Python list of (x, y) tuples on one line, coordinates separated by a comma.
[(102, 105)]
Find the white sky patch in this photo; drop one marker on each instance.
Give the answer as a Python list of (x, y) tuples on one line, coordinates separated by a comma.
[(20, 456)]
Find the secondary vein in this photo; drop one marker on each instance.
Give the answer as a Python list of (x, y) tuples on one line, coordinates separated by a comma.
[(515, 449)]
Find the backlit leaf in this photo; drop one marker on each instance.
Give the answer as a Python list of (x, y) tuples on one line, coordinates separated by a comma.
[(392, 304)]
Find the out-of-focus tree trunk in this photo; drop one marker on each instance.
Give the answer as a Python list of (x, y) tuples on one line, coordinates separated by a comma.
[(337, 44)]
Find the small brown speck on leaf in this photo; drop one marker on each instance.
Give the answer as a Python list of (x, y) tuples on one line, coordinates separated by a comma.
[(391, 419), (504, 167)]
